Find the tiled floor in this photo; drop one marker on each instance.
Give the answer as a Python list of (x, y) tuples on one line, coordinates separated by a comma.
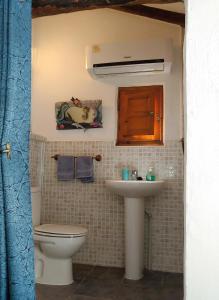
[(100, 283)]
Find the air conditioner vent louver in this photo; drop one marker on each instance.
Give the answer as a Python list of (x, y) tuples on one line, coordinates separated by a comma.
[(132, 62)]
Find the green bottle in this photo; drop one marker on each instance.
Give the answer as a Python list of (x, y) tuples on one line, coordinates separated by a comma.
[(150, 176)]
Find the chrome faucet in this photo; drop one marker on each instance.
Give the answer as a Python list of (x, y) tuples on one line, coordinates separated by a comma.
[(134, 175)]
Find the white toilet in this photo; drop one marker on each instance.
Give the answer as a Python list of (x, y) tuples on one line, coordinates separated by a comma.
[(54, 247)]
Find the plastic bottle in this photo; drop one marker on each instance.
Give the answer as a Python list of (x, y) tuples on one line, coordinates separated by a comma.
[(150, 176), (125, 174)]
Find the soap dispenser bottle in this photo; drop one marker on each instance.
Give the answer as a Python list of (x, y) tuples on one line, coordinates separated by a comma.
[(150, 176)]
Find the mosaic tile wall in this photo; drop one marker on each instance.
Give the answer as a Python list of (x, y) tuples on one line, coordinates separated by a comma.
[(37, 149), (102, 212)]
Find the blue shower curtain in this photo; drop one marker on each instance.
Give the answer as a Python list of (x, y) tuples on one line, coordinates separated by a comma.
[(16, 243)]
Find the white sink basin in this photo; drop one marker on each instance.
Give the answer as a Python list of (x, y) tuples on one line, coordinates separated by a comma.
[(134, 193), (136, 189)]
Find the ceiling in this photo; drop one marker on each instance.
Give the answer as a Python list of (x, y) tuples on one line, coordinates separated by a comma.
[(171, 11), (175, 7)]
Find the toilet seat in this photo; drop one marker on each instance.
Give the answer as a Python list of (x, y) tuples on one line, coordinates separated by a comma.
[(58, 230)]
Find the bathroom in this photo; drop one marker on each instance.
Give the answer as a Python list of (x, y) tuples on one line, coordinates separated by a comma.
[(58, 74)]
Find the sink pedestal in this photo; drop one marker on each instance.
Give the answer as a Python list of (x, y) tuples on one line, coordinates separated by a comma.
[(134, 193), (134, 238)]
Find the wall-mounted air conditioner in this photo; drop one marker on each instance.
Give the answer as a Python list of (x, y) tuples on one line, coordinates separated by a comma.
[(134, 58)]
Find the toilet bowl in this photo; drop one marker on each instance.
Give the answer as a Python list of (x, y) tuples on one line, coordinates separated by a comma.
[(54, 245)]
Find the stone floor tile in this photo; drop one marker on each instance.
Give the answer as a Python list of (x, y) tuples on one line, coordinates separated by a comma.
[(106, 283), (107, 273), (82, 297), (98, 288), (81, 271)]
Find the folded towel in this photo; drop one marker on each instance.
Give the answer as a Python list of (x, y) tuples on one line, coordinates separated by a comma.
[(84, 169), (65, 168)]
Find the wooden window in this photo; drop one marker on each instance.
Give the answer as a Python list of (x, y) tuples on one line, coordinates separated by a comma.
[(140, 115)]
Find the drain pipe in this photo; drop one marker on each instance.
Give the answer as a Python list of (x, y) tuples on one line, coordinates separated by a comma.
[(148, 242)]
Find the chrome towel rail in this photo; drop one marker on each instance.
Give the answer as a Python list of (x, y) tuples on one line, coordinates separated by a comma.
[(97, 157)]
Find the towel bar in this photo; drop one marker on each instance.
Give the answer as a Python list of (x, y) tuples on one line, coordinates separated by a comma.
[(97, 157)]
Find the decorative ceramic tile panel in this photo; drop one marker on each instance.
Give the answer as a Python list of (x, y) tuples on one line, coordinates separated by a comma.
[(102, 212)]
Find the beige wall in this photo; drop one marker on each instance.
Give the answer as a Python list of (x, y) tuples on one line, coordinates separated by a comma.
[(59, 69)]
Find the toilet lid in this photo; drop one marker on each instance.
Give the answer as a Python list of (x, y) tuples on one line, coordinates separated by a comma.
[(59, 229)]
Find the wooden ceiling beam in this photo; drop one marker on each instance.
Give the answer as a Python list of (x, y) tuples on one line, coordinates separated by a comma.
[(154, 13), (53, 7)]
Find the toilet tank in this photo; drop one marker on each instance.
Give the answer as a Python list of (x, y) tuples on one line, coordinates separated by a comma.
[(36, 204)]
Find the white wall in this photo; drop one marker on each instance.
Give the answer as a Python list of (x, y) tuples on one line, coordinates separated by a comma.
[(202, 180), (59, 69)]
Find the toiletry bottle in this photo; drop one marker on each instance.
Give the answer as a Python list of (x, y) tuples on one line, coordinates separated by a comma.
[(125, 174), (150, 176)]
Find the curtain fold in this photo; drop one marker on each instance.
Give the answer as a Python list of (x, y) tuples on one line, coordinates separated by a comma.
[(16, 241)]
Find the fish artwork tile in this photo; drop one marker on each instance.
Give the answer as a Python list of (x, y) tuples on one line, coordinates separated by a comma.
[(77, 114)]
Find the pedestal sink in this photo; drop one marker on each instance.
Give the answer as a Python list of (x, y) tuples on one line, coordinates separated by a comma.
[(134, 193)]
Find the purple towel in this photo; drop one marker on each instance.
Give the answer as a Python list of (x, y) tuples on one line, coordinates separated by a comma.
[(65, 168), (84, 169)]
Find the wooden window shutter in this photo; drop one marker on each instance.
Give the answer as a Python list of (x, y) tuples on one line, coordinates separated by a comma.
[(140, 115)]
